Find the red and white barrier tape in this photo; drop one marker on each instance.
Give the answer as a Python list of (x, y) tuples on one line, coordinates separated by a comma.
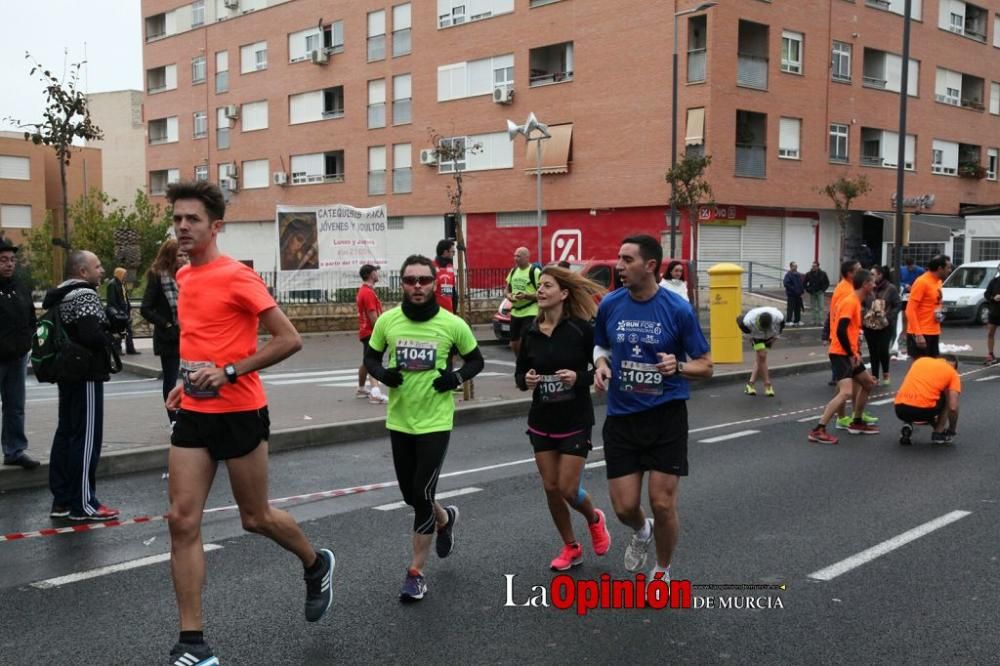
[(88, 527)]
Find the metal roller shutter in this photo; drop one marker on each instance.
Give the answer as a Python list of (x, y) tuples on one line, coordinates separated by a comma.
[(717, 244), (762, 244)]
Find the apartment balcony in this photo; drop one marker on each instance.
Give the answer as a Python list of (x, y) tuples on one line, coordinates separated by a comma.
[(752, 71), (696, 61), (751, 160), (874, 82)]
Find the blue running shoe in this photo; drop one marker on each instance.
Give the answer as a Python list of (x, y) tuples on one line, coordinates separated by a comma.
[(319, 588), (414, 587), (189, 654)]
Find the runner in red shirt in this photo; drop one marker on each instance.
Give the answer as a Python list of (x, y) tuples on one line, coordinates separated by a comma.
[(446, 292), (369, 309), (223, 412)]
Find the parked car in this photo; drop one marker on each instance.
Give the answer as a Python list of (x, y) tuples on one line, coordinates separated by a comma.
[(601, 271), (962, 294)]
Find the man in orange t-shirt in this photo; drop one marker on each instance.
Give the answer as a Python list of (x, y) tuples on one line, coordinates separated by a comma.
[(845, 360), (929, 393), (923, 310), (223, 411)]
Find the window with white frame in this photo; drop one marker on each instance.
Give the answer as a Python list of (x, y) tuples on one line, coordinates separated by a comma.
[(197, 13), (15, 216), (376, 35), (221, 71), (255, 174), (994, 97), (457, 12), (475, 77), (333, 37), (201, 173), (402, 103), (451, 154), (200, 124), (253, 57), (789, 130), (159, 79), (991, 163), (476, 152), (791, 52), (327, 167), (158, 180), (839, 142), (944, 158), (15, 167), (253, 116), (316, 105), (402, 171), (223, 123), (948, 86), (163, 130), (841, 63), (401, 23), (198, 70), (376, 104), (328, 38), (889, 150), (376, 169)]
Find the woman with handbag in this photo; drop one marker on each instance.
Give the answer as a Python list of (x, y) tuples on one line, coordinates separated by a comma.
[(119, 311), (881, 309), (159, 308)]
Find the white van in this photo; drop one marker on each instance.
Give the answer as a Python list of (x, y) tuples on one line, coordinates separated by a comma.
[(962, 291)]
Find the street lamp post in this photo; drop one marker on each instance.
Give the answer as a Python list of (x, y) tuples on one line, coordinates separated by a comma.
[(541, 132), (897, 247), (673, 123)]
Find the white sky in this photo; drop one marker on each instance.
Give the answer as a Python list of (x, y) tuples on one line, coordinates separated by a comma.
[(55, 32)]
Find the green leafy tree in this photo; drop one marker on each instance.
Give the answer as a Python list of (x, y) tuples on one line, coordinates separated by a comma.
[(38, 248), (66, 118), (842, 193), (689, 189)]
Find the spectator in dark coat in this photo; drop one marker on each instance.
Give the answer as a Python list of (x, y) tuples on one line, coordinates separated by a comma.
[(881, 309), (794, 283), (816, 284), (159, 308), (118, 298), (17, 323)]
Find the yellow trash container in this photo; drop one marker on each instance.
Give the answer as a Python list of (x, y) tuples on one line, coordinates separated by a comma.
[(725, 304)]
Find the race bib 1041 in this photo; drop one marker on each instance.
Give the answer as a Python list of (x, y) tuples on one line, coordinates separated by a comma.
[(635, 377), (415, 355)]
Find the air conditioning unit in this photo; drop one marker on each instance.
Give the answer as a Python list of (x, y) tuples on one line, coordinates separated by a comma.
[(319, 57), (279, 178), (231, 4), (230, 184), (232, 111), (230, 171), (428, 156), (503, 94)]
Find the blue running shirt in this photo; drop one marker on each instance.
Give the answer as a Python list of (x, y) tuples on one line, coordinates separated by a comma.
[(636, 332)]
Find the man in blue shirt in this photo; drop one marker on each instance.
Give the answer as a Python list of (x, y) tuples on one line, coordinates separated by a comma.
[(647, 343), (909, 273)]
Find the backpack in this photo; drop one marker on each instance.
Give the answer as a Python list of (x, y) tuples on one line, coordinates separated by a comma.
[(875, 317), (54, 357), (533, 270)]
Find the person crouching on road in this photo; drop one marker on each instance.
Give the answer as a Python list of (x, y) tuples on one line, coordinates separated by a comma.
[(763, 325), (421, 408), (929, 393), (555, 362)]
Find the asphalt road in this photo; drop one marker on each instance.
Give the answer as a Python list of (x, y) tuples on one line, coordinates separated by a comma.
[(765, 507)]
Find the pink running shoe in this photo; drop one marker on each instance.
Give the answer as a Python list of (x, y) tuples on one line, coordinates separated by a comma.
[(569, 557), (599, 535)]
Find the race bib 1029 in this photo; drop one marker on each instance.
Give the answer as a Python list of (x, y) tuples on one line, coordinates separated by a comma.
[(635, 377)]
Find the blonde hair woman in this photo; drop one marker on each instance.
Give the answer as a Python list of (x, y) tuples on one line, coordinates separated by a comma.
[(555, 362)]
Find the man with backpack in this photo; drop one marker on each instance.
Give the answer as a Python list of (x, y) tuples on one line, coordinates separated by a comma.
[(17, 321), (76, 446), (522, 282)]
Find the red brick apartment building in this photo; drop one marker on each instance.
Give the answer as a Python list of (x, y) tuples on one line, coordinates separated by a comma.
[(334, 101)]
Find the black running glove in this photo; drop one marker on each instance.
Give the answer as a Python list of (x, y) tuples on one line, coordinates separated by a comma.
[(448, 381), (391, 377)]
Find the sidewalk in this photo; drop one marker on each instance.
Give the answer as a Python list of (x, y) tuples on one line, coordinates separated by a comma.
[(311, 398)]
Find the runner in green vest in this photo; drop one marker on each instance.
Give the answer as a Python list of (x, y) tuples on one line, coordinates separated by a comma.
[(522, 283)]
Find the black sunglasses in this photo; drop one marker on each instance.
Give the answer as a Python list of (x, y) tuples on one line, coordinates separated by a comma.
[(413, 280)]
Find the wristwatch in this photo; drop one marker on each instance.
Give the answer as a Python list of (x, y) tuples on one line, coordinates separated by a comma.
[(680, 367), (231, 373)]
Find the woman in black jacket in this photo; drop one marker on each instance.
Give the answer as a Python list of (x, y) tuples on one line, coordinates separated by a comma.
[(881, 309), (555, 362), (159, 308)]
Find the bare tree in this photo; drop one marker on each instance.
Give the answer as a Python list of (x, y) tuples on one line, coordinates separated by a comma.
[(688, 190), (842, 193), (66, 118)]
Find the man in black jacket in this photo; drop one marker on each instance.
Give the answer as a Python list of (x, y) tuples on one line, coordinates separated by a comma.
[(17, 323), (817, 283), (76, 446), (119, 300), (992, 297)]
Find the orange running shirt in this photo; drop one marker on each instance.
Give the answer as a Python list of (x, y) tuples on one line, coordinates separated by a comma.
[(925, 298), (927, 379), (849, 307), (218, 309), (843, 288)]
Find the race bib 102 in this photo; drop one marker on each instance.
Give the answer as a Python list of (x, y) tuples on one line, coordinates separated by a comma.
[(552, 389)]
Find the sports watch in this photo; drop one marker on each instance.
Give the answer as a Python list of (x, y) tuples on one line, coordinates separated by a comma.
[(680, 368), (231, 373)]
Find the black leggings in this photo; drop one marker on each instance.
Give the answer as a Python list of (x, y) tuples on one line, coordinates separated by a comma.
[(878, 350), (418, 460)]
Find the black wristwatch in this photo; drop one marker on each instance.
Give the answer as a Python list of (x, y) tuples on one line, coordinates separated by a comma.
[(231, 373)]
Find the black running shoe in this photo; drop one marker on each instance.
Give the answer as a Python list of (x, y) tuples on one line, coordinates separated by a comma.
[(189, 654), (59, 511), (319, 588), (446, 535)]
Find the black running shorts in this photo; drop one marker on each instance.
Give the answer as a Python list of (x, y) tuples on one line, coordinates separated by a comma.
[(652, 440), (932, 349), (911, 414), (993, 316), (518, 325), (227, 435), (842, 368), (578, 444)]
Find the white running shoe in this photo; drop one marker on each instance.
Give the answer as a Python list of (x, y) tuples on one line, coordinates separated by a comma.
[(638, 549), (376, 398), (362, 393)]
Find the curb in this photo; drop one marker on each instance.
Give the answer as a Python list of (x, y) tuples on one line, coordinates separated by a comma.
[(147, 458)]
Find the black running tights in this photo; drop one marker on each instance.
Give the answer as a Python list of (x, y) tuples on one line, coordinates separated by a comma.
[(418, 460)]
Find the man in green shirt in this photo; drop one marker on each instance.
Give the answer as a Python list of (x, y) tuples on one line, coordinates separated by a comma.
[(522, 283), (419, 335)]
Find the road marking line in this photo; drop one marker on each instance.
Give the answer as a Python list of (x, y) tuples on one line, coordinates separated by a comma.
[(130, 394), (807, 419), (312, 380), (316, 373), (885, 401), (732, 435), (596, 463), (865, 556), (447, 493), (114, 568), (988, 379)]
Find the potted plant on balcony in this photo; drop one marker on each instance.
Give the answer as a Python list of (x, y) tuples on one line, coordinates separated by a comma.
[(972, 170)]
